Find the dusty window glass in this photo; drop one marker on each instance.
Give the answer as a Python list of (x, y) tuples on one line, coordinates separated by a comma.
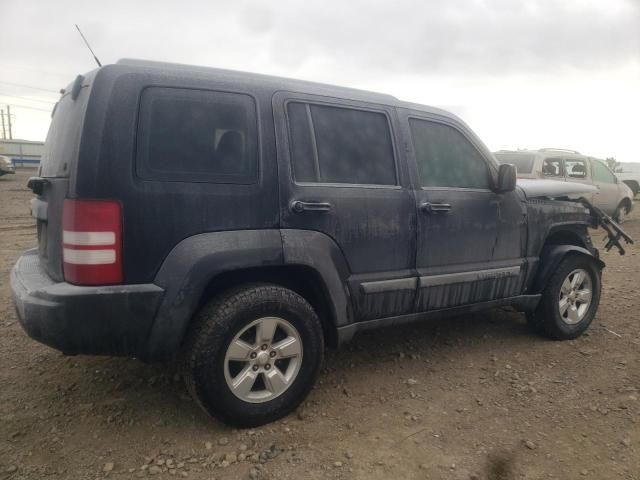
[(340, 145), (196, 136), (304, 156), (446, 158), (552, 167), (602, 173)]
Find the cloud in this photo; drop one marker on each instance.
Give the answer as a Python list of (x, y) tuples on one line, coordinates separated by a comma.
[(486, 59), (455, 36), (406, 36)]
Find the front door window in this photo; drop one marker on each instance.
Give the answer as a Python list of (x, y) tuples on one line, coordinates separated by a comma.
[(576, 168), (446, 158)]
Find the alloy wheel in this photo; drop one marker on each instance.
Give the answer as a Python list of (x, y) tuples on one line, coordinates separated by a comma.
[(263, 359), (575, 296)]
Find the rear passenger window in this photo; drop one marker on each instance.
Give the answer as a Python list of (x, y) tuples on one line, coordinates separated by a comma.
[(552, 167), (340, 145), (446, 158), (196, 136)]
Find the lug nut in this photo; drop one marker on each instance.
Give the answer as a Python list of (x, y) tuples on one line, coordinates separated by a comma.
[(264, 347), (253, 355), (255, 368), (272, 354), (267, 366)]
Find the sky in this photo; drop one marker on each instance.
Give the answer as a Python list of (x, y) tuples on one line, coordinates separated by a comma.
[(521, 73)]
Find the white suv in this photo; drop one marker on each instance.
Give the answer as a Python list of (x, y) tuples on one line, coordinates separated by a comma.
[(613, 196)]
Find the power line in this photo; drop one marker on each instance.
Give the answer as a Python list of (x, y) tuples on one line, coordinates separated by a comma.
[(39, 71), (26, 98), (30, 108), (29, 86)]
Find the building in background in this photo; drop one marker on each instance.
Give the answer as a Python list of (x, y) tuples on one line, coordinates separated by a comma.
[(23, 153)]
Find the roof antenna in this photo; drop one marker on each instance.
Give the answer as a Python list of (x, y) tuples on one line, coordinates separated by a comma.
[(88, 46)]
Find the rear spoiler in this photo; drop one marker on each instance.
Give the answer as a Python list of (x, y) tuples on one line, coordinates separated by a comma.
[(614, 232)]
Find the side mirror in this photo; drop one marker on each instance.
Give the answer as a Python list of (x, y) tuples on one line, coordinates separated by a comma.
[(506, 178)]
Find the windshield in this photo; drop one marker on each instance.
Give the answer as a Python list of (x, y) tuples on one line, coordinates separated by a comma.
[(522, 161)]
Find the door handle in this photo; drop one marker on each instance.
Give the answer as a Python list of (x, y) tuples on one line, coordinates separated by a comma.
[(429, 207), (298, 206)]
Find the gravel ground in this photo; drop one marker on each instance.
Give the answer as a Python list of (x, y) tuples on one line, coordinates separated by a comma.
[(470, 397)]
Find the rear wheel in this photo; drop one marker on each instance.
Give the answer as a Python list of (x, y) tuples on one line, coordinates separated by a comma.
[(253, 354), (570, 300)]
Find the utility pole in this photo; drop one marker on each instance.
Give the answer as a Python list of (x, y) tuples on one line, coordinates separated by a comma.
[(9, 121), (4, 131)]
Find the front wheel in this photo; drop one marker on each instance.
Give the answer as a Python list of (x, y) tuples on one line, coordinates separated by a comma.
[(570, 301), (621, 213), (253, 355)]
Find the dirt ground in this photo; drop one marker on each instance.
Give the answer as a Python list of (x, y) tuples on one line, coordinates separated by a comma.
[(477, 396)]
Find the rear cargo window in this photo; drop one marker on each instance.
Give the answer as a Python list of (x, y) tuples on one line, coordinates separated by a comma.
[(340, 145), (196, 136), (63, 139)]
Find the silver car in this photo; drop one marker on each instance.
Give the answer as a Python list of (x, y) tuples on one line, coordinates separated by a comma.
[(613, 196), (6, 165)]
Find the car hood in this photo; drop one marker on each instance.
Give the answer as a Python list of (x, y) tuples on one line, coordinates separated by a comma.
[(553, 188)]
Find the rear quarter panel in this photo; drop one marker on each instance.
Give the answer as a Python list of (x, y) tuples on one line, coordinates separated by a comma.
[(157, 215)]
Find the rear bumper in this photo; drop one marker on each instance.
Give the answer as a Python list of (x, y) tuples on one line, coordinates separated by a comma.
[(109, 320)]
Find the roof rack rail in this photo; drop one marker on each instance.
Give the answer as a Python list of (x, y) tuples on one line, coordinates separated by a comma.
[(560, 150)]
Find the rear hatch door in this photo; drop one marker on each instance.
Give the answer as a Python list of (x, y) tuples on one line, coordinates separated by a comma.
[(56, 171)]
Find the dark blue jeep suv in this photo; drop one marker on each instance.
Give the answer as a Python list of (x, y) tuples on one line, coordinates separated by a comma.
[(240, 222)]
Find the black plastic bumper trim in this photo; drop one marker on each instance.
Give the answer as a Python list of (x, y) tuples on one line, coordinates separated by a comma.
[(101, 320)]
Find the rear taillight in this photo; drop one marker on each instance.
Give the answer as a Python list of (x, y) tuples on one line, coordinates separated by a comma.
[(92, 242)]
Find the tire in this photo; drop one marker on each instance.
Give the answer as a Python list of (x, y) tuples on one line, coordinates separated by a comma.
[(621, 213), (239, 317), (548, 319)]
